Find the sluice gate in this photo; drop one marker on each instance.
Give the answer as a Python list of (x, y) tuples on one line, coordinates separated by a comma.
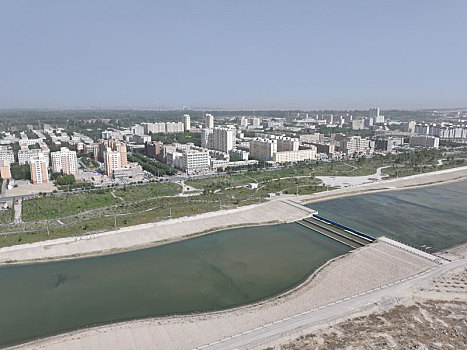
[(337, 232)]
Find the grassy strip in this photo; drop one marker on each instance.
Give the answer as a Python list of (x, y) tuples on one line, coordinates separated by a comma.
[(135, 193), (50, 207), (6, 216)]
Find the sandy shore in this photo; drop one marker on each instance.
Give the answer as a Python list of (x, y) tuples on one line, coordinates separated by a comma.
[(403, 183), (276, 210), (437, 303), (355, 273)]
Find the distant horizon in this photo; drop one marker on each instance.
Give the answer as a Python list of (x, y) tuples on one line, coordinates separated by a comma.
[(189, 108)]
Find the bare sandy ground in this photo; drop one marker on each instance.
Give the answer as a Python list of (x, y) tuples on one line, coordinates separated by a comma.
[(359, 271), (24, 189), (431, 314)]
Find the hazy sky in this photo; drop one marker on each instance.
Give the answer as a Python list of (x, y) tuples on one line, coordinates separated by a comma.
[(233, 54)]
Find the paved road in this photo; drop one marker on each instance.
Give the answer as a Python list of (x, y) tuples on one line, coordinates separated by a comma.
[(18, 210), (264, 334)]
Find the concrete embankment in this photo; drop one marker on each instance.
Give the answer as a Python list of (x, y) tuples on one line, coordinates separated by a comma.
[(343, 281), (276, 211)]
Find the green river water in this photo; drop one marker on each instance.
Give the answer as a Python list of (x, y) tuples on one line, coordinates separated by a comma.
[(433, 216), (217, 271)]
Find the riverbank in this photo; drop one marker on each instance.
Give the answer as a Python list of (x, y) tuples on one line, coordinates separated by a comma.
[(277, 210), (340, 286), (403, 183), (436, 302), (140, 236)]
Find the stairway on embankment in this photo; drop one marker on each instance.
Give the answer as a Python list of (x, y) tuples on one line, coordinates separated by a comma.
[(350, 239)]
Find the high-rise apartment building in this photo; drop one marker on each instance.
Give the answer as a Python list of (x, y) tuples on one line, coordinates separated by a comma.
[(223, 139), (6, 154), (153, 149), (208, 121), (186, 122), (373, 113), (38, 168), (410, 126), (5, 173), (174, 127), (112, 161), (194, 160), (207, 140), (64, 161), (120, 147), (263, 148)]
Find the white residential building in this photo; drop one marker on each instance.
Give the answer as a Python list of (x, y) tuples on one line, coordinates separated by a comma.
[(64, 161), (295, 156), (263, 148), (186, 122), (38, 167), (174, 127), (25, 154), (356, 144), (112, 161), (207, 140), (224, 139), (6, 154), (208, 121), (194, 160), (137, 129)]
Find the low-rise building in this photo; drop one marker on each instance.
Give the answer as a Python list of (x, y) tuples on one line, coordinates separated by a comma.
[(356, 144), (295, 156), (25, 155), (424, 141)]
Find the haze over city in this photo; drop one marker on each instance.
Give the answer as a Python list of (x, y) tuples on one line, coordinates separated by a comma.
[(233, 54)]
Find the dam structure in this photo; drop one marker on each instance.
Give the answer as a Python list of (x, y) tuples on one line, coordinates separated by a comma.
[(355, 239), (335, 231)]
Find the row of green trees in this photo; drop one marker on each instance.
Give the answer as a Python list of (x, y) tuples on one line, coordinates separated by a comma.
[(154, 167)]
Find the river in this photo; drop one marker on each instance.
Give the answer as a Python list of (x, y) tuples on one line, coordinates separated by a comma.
[(216, 271)]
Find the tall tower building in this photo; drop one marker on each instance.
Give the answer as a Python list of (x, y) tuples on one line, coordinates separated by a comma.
[(65, 161), (5, 172), (208, 121), (207, 140), (373, 113), (186, 122), (118, 146), (224, 139), (112, 161), (38, 168)]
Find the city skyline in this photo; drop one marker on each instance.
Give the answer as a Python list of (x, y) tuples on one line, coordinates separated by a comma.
[(243, 55)]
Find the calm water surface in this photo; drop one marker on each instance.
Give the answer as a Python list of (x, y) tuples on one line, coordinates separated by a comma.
[(221, 270), (435, 216), (212, 272)]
